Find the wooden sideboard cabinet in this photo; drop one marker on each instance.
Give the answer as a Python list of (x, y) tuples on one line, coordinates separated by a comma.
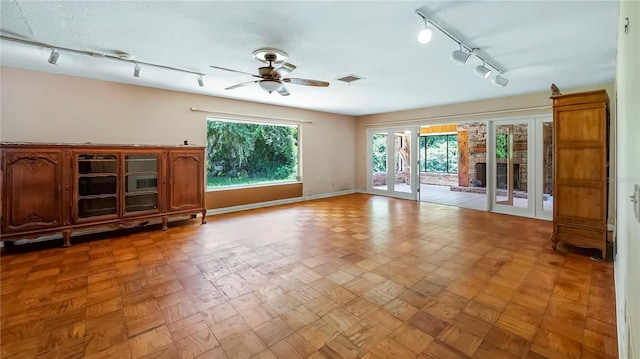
[(580, 173), (53, 188)]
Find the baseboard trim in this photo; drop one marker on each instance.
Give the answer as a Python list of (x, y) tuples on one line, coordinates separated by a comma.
[(279, 202)]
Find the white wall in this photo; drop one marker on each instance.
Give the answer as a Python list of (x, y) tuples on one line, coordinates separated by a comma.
[(43, 107), (627, 264)]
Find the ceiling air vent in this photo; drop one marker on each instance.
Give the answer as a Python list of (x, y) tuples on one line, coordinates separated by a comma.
[(350, 78)]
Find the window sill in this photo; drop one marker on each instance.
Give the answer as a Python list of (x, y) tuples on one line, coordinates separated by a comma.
[(257, 185)]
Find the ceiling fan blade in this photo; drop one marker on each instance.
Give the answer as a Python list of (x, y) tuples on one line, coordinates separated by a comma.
[(242, 84), (285, 69), (306, 82), (283, 91), (230, 70)]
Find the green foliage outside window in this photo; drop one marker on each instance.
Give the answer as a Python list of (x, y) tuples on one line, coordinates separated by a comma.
[(501, 146), (243, 154), (439, 153), (379, 157)]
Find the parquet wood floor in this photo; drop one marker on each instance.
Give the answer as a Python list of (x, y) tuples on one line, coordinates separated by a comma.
[(354, 276)]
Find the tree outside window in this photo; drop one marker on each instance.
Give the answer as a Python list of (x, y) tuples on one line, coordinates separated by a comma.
[(439, 153), (240, 154)]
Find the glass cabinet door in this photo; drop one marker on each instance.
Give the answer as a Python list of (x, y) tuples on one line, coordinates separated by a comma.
[(141, 182), (97, 190)]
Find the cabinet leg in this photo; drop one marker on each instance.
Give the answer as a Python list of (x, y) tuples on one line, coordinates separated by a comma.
[(204, 216), (554, 241), (165, 221), (67, 239)]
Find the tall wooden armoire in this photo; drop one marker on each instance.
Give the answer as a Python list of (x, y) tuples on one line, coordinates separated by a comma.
[(580, 169)]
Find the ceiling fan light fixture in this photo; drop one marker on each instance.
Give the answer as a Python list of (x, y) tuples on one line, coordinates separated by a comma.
[(482, 71), (500, 81), (53, 57), (261, 55), (270, 85)]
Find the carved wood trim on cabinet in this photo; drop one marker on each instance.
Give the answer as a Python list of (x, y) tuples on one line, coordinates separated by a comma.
[(48, 189)]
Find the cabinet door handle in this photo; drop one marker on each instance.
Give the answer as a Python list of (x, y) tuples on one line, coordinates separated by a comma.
[(633, 199)]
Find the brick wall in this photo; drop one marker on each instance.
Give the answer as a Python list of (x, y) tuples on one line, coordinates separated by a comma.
[(439, 178), (477, 149)]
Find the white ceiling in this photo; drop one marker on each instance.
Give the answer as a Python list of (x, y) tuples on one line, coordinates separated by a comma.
[(570, 43)]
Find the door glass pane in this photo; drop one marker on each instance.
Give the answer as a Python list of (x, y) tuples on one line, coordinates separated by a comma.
[(93, 186), (402, 170), (97, 164), (511, 165), (452, 155), (141, 202), (379, 161), (422, 153), (141, 163), (92, 207), (547, 166), (140, 183)]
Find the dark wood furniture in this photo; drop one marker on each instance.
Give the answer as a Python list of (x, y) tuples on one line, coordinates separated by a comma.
[(580, 169), (49, 189)]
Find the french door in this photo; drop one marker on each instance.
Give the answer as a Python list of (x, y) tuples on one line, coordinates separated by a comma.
[(392, 162), (520, 154)]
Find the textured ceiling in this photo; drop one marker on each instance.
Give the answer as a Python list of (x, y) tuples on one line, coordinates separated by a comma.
[(570, 43)]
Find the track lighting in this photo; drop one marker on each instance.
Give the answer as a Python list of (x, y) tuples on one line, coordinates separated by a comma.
[(461, 56), (464, 54), (200, 81), (116, 55), (482, 70), (425, 35), (500, 81), (53, 57)]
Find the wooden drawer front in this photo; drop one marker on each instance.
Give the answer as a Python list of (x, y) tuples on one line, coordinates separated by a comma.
[(582, 164), (581, 203), (583, 237)]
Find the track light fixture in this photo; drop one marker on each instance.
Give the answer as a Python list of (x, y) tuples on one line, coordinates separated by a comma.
[(500, 81), (116, 56), (460, 56), (200, 81), (482, 70), (425, 35), (53, 57), (464, 54)]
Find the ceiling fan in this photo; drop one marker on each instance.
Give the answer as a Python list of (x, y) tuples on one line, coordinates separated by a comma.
[(271, 77)]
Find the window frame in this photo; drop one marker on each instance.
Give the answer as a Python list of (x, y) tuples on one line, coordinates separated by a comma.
[(256, 121), (423, 160)]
